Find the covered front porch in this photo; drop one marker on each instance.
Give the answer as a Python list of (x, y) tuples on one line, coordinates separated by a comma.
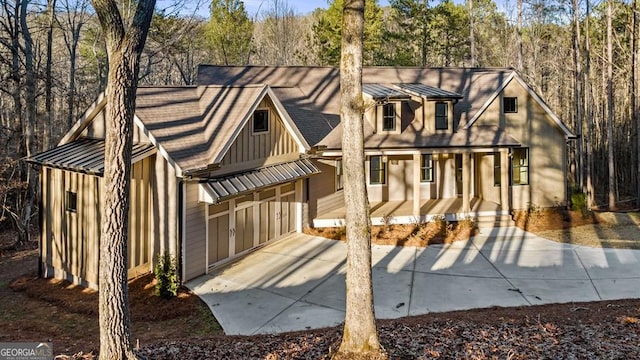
[(403, 212)]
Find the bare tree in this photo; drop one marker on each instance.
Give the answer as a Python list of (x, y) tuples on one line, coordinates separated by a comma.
[(46, 141), (577, 64), (635, 97), (610, 108), (519, 37), (124, 45), (587, 110), (360, 332), (472, 37)]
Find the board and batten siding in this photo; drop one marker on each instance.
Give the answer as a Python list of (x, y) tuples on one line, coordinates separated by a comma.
[(70, 239), (96, 129), (323, 196), (195, 248), (251, 150), (533, 127)]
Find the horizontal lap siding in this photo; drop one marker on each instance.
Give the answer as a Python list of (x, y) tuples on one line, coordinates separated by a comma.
[(195, 236), (322, 194)]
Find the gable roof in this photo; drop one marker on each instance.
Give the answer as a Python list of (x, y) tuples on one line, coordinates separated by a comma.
[(568, 133), (194, 127), (317, 89)]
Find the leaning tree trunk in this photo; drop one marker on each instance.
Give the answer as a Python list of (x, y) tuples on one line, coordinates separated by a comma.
[(360, 333), (124, 47)]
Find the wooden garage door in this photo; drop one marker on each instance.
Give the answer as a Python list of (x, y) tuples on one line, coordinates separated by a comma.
[(239, 224)]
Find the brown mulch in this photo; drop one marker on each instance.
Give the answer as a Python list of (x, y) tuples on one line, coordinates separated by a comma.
[(40, 309), (598, 330), (421, 235)]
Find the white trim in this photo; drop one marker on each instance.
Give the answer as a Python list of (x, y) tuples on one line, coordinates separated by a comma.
[(490, 100), (288, 122), (206, 238), (298, 199), (303, 146), (514, 75), (245, 119), (409, 219), (85, 119), (252, 122), (567, 133), (156, 143), (184, 231)]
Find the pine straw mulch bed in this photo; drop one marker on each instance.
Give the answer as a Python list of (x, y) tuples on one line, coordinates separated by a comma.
[(421, 235), (598, 330)]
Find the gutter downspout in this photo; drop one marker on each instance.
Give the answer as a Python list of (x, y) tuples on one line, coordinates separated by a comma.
[(181, 229)]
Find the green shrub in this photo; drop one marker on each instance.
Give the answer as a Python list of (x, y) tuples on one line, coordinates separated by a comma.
[(579, 202), (166, 276)]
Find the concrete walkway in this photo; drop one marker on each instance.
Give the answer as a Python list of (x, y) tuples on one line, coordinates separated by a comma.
[(297, 283)]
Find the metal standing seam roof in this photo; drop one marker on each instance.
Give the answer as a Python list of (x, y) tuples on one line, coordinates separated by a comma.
[(84, 155), (427, 91), (379, 91), (236, 184)]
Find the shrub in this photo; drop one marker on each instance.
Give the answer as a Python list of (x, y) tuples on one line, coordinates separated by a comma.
[(579, 202), (166, 276)]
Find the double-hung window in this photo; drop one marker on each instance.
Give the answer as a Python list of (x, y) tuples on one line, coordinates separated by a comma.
[(377, 171), (389, 117), (520, 166), (426, 168), (442, 121)]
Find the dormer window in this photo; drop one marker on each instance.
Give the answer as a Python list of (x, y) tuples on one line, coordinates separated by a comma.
[(442, 120), (389, 117), (510, 105), (260, 121)]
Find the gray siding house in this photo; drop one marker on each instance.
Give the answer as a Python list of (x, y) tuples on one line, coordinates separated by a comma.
[(252, 154)]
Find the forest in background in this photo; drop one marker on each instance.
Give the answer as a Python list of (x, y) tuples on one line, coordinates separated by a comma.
[(580, 56)]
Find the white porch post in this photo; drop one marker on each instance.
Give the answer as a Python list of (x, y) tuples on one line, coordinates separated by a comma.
[(466, 183), (416, 184), (504, 179)]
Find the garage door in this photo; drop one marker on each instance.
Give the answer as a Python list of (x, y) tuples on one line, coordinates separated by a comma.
[(240, 224)]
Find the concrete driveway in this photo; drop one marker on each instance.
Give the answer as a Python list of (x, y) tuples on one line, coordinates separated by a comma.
[(297, 283)]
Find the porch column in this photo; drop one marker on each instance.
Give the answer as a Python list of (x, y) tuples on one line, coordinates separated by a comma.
[(416, 184), (466, 182), (504, 179)]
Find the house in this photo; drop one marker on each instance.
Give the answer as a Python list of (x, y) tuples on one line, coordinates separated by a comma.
[(254, 153)]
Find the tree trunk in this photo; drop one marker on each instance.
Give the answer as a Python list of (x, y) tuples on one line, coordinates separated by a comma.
[(48, 127), (635, 108), (610, 108), (28, 123), (588, 112), (360, 333), (577, 63), (519, 37), (472, 37), (123, 49)]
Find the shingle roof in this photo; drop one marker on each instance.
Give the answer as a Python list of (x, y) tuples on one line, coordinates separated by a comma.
[(194, 124), (317, 89), (476, 136), (84, 155)]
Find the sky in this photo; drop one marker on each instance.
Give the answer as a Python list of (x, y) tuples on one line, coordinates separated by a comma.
[(300, 6)]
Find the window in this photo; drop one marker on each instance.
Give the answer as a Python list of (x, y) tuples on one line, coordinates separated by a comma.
[(426, 168), (260, 121), (520, 166), (377, 173), (71, 201), (497, 169), (442, 122), (389, 117), (339, 173), (510, 105)]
